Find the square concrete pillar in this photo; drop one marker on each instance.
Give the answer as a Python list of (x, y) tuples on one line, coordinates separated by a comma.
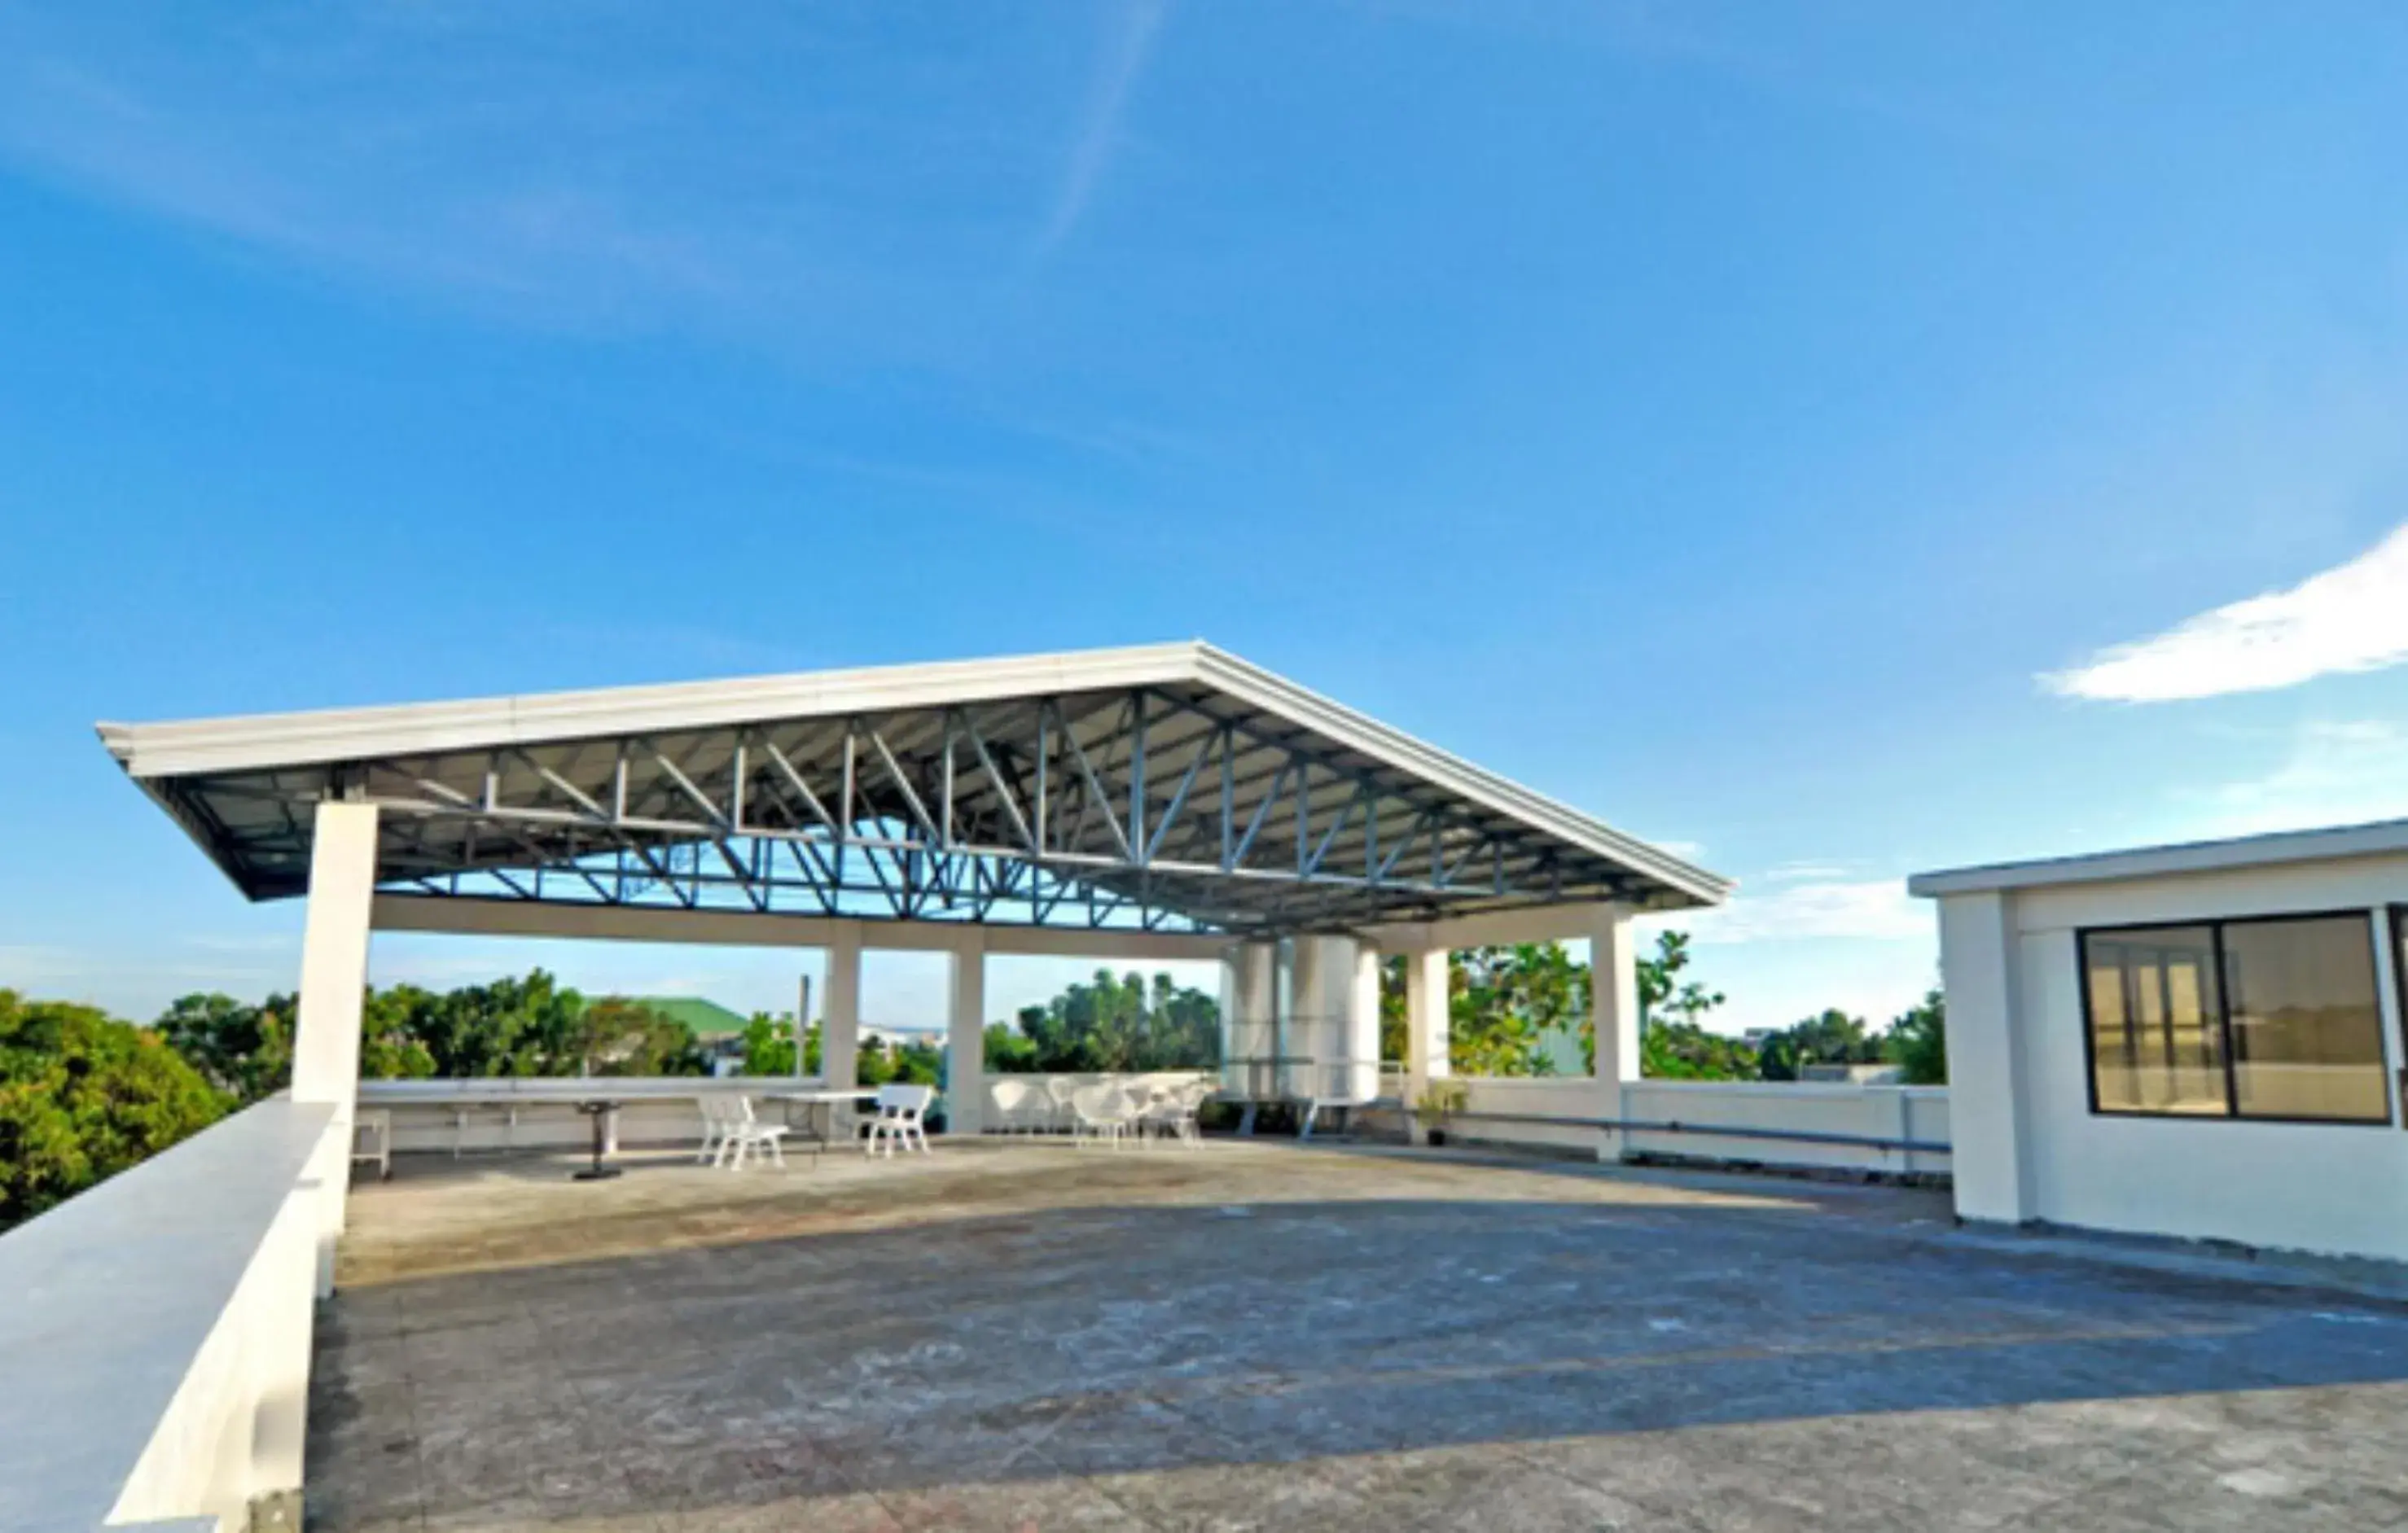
[(841, 1014), (1428, 1003), (1613, 1011), (334, 982), (966, 1040), (334, 956)]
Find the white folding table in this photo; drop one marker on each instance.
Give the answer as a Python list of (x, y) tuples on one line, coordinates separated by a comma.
[(823, 1104)]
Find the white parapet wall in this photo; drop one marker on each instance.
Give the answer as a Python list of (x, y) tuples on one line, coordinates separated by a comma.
[(155, 1343), (1844, 1111), (1839, 1126)]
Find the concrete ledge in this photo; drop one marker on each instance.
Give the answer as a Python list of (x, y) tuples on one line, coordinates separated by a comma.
[(154, 1341)]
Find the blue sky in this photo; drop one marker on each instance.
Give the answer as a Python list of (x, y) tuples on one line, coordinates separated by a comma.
[(1840, 441)]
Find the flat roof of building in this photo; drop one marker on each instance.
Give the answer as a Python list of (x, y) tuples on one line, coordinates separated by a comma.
[(2324, 844)]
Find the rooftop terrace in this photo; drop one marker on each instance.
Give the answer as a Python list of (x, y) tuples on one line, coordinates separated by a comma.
[(1260, 1335)]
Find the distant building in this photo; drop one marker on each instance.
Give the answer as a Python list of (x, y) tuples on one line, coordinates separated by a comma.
[(717, 1031), (1856, 1075)]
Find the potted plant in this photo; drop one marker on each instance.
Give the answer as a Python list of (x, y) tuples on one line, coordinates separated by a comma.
[(1440, 1099)]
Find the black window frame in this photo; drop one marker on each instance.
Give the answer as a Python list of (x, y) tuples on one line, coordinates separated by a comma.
[(2215, 926), (2396, 928)]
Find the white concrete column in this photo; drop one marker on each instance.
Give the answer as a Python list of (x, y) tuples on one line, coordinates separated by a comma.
[(1426, 1016), (1363, 1027), (333, 979), (966, 1038), (841, 1014), (1614, 1009), (1986, 1081), (1251, 979), (334, 956)]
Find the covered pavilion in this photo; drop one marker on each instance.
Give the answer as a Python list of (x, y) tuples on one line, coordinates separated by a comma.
[(1158, 802)]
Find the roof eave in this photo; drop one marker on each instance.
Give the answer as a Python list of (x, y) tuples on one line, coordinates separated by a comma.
[(2181, 859)]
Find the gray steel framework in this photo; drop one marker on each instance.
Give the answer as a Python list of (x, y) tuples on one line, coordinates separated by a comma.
[(1154, 807)]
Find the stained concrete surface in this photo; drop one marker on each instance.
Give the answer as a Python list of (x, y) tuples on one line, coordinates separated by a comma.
[(1022, 1336)]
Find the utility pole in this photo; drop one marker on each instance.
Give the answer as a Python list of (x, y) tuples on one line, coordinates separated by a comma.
[(802, 1025)]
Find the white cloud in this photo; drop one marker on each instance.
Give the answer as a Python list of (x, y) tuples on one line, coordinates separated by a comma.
[(1800, 872), (1876, 908), (2352, 617), (2336, 772), (1099, 133)]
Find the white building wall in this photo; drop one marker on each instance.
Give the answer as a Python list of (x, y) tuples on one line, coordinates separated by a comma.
[(1977, 954), (2340, 1189)]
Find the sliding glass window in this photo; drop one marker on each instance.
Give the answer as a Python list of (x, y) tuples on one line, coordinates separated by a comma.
[(2156, 1037), (2273, 1018)]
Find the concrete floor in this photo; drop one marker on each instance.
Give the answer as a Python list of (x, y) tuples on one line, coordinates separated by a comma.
[(1014, 1336)]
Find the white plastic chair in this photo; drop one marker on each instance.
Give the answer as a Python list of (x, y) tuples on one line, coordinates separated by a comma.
[(901, 1112), (1058, 1090), (1174, 1110), (1018, 1106), (1104, 1114), (744, 1135), (715, 1119)]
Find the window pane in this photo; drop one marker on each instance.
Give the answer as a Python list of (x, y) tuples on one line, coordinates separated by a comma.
[(2307, 1033), (2155, 1032)]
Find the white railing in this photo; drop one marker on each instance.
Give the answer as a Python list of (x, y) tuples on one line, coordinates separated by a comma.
[(154, 1343), (1899, 1130)]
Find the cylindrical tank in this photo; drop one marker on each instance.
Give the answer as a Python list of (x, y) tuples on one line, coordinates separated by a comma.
[(1333, 1033), (1250, 1022)]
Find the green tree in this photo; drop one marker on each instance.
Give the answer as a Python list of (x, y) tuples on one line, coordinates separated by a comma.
[(390, 1048), (1117, 1022), (244, 1050), (768, 1045), (1832, 1038), (1918, 1040), (1676, 1050), (1503, 1001), (83, 1096), (1009, 1051), (917, 1064), (616, 1036), (1663, 994)]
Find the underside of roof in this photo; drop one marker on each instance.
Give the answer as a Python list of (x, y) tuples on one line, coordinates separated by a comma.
[(1170, 787)]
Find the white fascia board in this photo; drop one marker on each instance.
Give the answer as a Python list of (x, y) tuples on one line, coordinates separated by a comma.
[(1360, 732), (2291, 846), (262, 741), (1573, 923)]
